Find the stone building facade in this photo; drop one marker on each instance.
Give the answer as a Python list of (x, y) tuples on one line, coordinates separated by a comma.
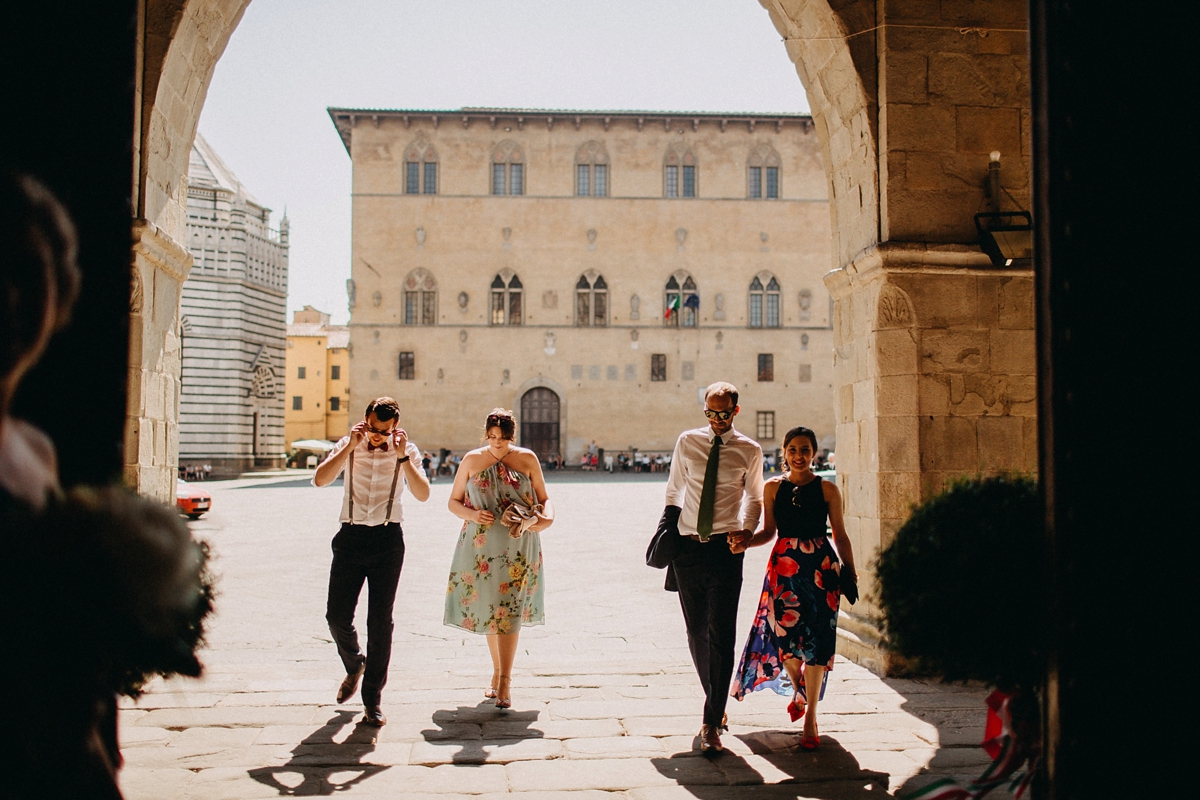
[(234, 315), (593, 271), (317, 387)]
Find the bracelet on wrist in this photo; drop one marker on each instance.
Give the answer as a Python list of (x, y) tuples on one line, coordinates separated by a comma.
[(406, 458)]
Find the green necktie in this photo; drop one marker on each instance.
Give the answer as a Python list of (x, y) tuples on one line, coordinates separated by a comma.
[(708, 495)]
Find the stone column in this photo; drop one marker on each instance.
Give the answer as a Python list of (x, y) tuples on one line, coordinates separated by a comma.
[(935, 360), (160, 265)]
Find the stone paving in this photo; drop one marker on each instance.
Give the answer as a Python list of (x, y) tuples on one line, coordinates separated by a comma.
[(605, 701)]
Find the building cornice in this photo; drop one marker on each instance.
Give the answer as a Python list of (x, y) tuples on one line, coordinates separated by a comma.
[(346, 119)]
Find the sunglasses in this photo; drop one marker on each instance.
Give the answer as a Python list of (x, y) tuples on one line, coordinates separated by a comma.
[(493, 419), (377, 431), (721, 415)]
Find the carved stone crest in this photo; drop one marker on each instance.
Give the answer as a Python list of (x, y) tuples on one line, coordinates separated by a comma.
[(135, 291), (719, 301), (463, 300), (805, 305), (635, 303), (894, 310), (420, 236), (681, 235), (591, 234), (549, 348), (549, 299)]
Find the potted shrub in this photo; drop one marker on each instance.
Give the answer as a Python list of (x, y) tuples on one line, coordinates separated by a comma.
[(962, 587)]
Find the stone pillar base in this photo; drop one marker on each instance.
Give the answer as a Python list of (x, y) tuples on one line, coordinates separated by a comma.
[(160, 265), (935, 363)]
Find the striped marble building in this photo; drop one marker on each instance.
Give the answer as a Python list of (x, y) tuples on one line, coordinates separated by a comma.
[(234, 326)]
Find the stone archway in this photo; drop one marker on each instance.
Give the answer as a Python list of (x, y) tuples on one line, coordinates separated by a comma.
[(907, 101)]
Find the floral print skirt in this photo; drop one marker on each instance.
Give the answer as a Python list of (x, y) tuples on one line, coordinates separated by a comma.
[(796, 617)]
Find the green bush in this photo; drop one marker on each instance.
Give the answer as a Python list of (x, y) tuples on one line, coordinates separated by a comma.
[(963, 584)]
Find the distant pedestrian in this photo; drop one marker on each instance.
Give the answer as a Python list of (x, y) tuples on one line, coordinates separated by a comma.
[(795, 629), (426, 460), (369, 546), (496, 575), (716, 483)]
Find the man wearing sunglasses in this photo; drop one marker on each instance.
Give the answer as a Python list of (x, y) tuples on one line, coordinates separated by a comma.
[(370, 544), (717, 483)]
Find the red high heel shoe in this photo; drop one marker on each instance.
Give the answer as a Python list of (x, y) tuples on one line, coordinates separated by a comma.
[(797, 708), (810, 742)]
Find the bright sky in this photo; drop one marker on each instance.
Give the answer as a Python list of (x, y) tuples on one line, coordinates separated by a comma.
[(289, 60)]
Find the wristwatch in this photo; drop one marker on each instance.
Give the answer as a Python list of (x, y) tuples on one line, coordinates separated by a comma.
[(402, 460)]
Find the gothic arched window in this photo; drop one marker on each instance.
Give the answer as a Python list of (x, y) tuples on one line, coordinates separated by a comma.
[(506, 299), (679, 172), (762, 173), (420, 298), (681, 301), (591, 300), (508, 168), (420, 169), (764, 301), (591, 170)]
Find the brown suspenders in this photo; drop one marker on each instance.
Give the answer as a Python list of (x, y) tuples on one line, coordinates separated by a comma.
[(391, 496)]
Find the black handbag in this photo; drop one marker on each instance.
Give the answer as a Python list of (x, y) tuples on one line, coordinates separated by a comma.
[(667, 542)]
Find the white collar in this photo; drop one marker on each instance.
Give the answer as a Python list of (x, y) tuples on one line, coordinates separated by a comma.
[(724, 437)]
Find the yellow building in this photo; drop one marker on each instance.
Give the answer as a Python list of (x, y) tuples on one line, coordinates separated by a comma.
[(318, 379), (593, 271)]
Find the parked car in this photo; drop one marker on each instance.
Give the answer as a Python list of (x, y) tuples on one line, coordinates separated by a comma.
[(191, 501)]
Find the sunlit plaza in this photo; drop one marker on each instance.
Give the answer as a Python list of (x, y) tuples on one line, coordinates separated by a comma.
[(606, 702)]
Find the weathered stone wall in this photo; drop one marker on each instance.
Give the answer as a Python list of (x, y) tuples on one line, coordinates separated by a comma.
[(954, 86)]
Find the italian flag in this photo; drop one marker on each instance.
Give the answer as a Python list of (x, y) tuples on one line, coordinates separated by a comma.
[(673, 306)]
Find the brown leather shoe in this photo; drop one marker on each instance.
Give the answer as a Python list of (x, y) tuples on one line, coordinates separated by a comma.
[(710, 739), (373, 715), (350, 684)]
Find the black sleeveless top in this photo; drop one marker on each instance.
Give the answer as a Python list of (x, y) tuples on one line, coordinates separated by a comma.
[(801, 511)]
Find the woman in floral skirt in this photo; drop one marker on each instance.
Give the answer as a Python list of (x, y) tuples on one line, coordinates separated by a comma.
[(794, 636), (496, 574)]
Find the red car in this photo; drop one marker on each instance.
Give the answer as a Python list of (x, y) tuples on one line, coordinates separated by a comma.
[(191, 501)]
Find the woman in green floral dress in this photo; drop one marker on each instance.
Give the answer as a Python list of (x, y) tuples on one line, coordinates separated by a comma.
[(496, 576)]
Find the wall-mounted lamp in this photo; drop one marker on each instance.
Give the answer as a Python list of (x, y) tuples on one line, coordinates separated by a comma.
[(1006, 236)]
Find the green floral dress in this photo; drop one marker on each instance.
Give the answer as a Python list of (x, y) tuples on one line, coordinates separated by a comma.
[(496, 580)]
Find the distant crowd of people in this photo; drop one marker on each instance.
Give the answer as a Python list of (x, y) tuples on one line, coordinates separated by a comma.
[(195, 472), (593, 459)]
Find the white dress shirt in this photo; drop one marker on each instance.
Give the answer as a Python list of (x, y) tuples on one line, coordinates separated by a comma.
[(373, 474), (738, 502)]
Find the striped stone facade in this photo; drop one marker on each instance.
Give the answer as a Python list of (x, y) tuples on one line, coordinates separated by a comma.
[(234, 325)]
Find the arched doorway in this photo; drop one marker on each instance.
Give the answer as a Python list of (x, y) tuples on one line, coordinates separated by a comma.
[(539, 422)]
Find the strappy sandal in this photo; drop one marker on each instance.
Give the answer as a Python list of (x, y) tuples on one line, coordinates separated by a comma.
[(504, 702)]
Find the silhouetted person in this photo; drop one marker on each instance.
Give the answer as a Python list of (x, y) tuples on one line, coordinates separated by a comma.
[(99, 589)]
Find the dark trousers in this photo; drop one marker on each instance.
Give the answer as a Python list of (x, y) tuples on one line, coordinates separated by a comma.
[(371, 553), (710, 582)]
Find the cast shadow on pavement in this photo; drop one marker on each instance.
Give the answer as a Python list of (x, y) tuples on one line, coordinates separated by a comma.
[(320, 766), (830, 773), (473, 729), (958, 712)]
